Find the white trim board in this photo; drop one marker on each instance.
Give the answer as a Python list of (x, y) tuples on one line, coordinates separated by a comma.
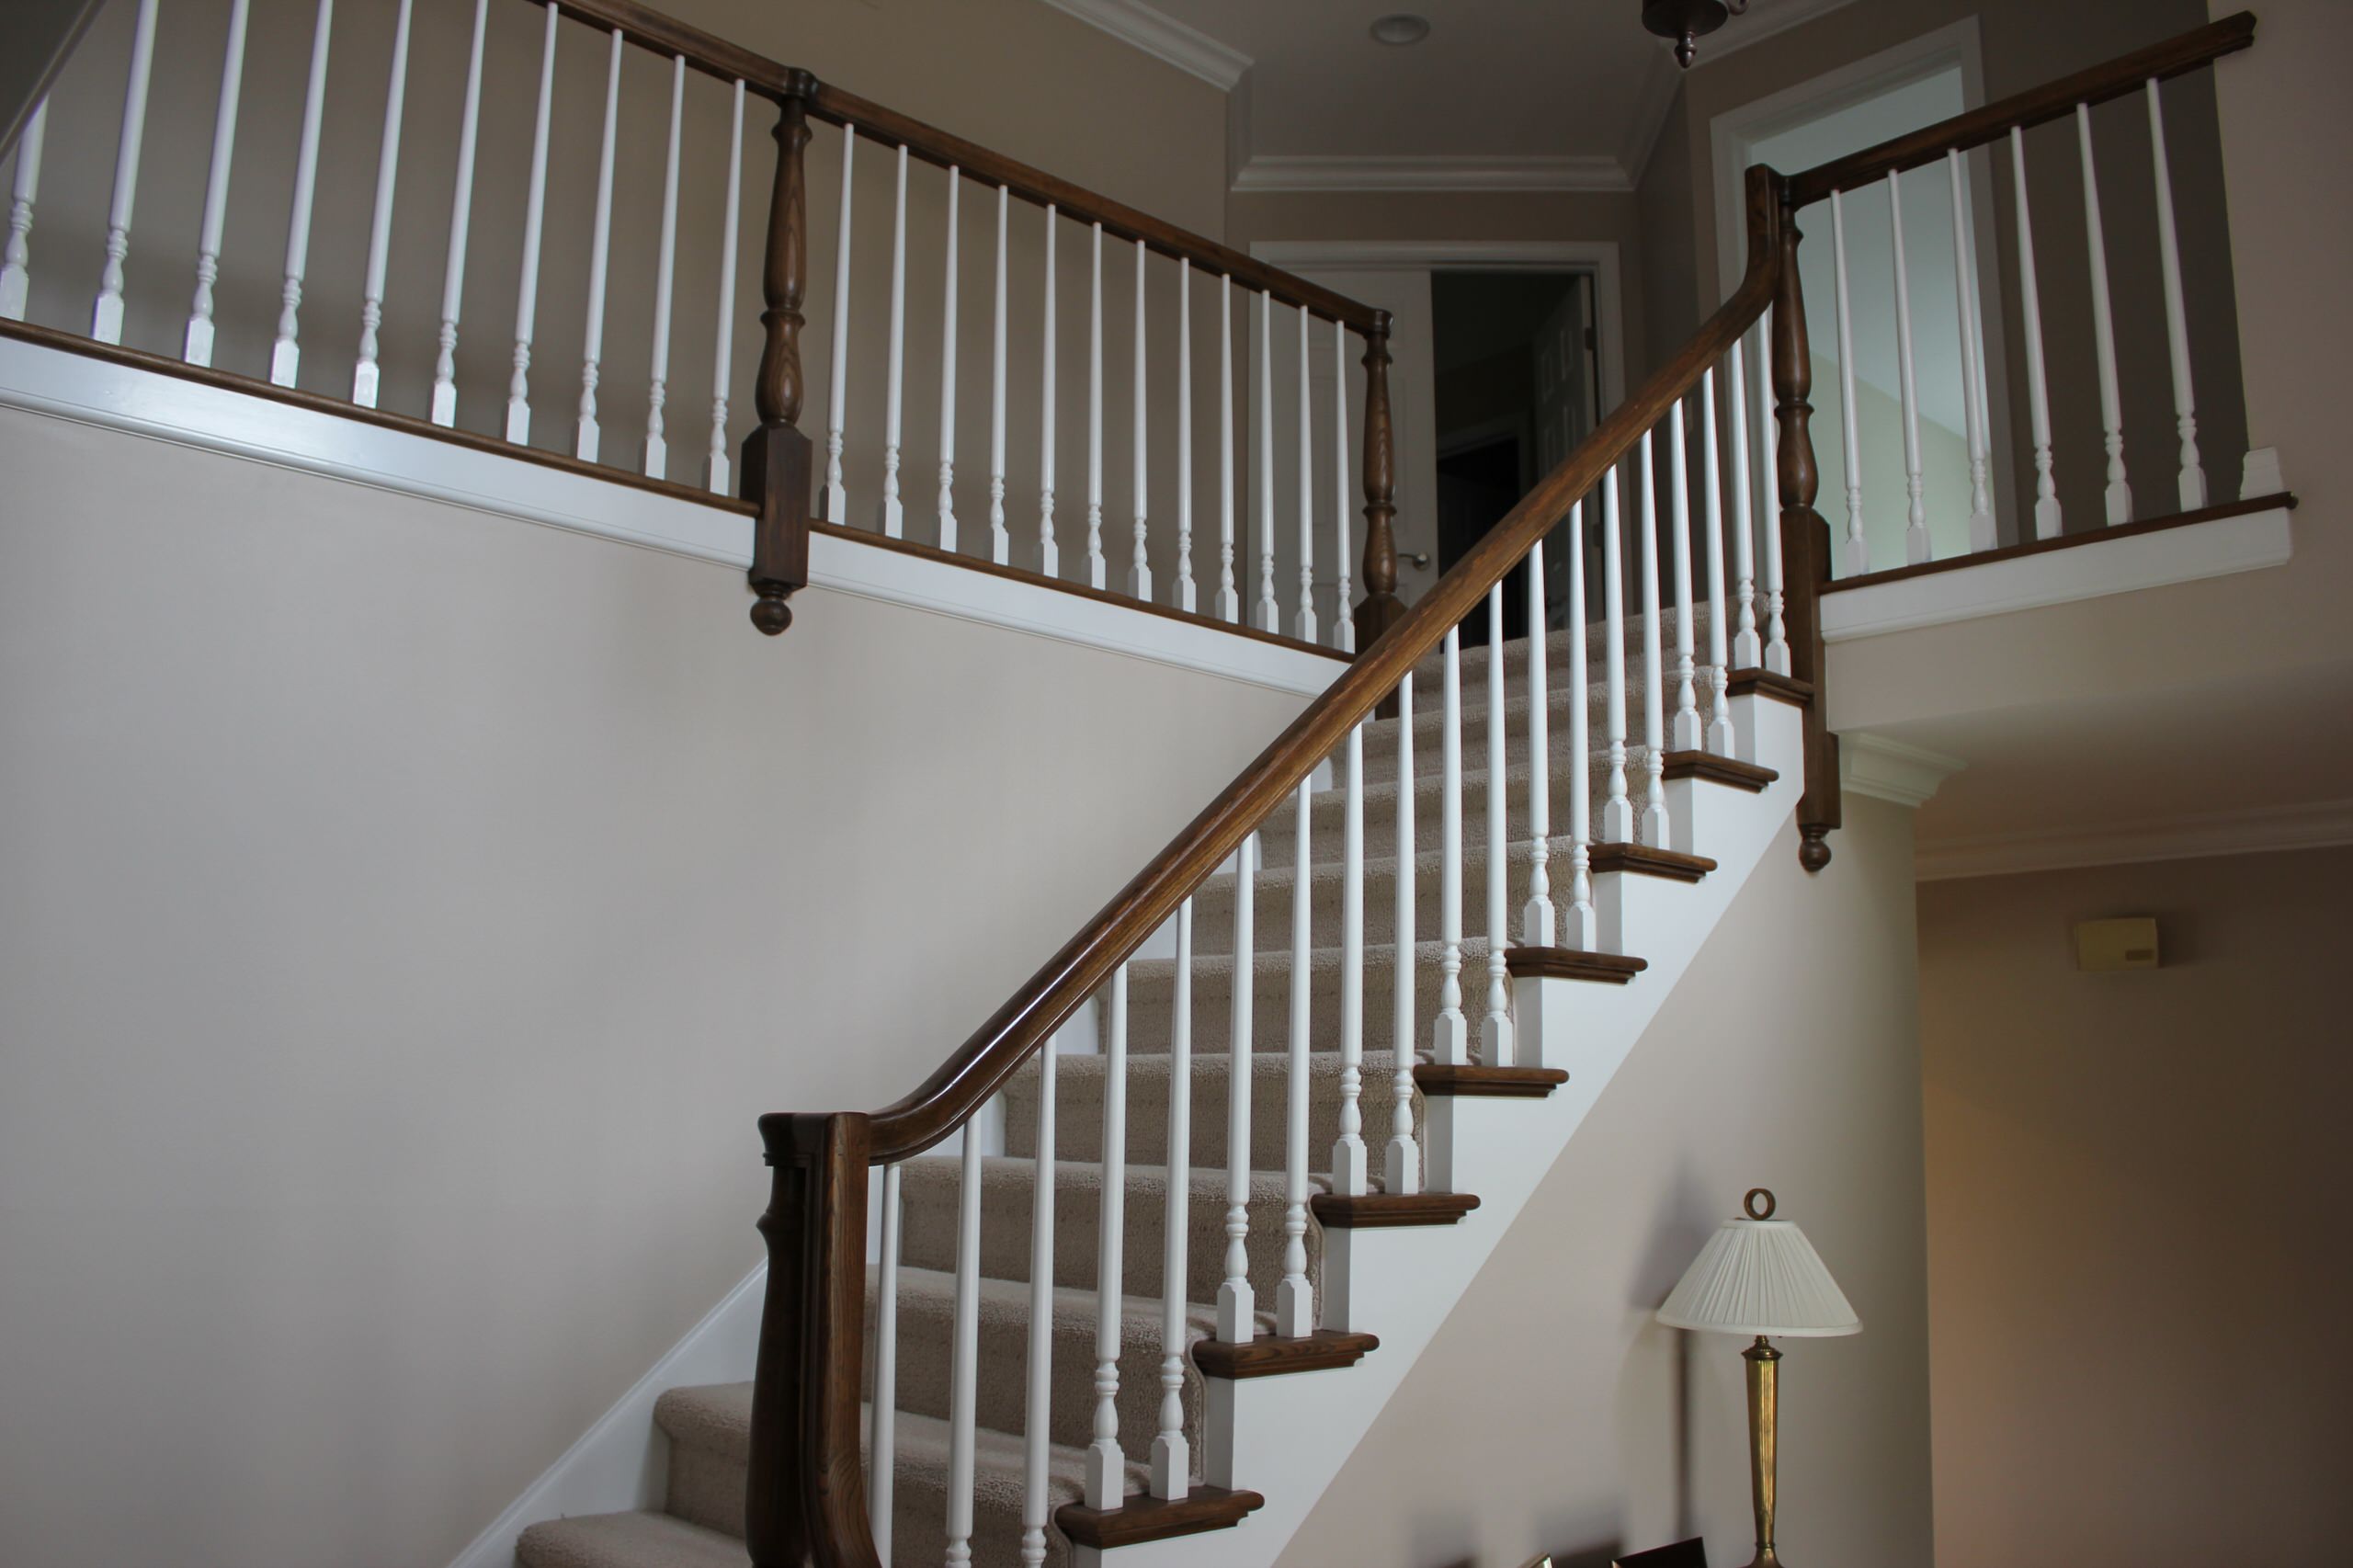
[(1433, 172), (1164, 37), (2256, 830), (1889, 769), (2095, 569), (65, 385)]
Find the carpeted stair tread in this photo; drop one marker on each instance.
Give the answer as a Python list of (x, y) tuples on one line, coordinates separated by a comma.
[(643, 1539), (1327, 882)]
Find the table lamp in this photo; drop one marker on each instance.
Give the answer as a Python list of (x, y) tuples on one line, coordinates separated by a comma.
[(1758, 1275)]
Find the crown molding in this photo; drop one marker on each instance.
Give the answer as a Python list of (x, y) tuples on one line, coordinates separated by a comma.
[(1761, 22), (1164, 37), (1892, 770), (2258, 829), (1444, 172)]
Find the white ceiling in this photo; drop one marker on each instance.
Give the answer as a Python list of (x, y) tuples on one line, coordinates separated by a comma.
[(1502, 95)]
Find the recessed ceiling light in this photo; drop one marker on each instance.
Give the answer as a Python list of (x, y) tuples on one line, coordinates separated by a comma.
[(1404, 28)]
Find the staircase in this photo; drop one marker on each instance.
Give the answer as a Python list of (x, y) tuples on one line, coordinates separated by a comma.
[(1434, 1246)]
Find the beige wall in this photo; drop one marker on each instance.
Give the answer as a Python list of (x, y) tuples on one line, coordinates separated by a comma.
[(2136, 1223), (1552, 1414), (405, 911)]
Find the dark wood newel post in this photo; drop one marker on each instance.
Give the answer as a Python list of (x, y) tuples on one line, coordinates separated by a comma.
[(1806, 543), (1381, 608), (805, 1501), (775, 455)]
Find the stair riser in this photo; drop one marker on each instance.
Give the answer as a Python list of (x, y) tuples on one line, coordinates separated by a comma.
[(1078, 1125)]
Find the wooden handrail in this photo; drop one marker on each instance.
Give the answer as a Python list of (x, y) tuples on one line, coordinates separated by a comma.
[(2038, 106)]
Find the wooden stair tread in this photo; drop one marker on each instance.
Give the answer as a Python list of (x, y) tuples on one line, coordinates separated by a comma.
[(1470, 1081), (1754, 682), (1382, 1211), (1572, 963), (1271, 1358), (1139, 1519), (1728, 770), (1651, 861)]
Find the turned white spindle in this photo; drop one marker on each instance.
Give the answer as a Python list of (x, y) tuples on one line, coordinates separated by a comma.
[(105, 315), (964, 1355), (366, 377), (1229, 599), (1776, 640), (1097, 568), (2047, 519), (1037, 1406), (1972, 374), (657, 392), (1343, 619), (1496, 1045), (1653, 818), (1000, 539), (1303, 627), (1185, 596), (1048, 554), (717, 473), (1582, 933), (16, 262), (2185, 405), (197, 343), (1450, 1035), (1720, 735), (2119, 495), (1687, 732), (1748, 647), (1402, 1167), (1236, 1303), (1139, 562), (1616, 810), (1107, 1463), (946, 503), (588, 438), (1270, 616), (1295, 1297), (1916, 546), (518, 384), (1858, 546), (444, 409), (1172, 1460), (1537, 920), (834, 500), (285, 355), (1349, 1163), (882, 1448), (894, 514)]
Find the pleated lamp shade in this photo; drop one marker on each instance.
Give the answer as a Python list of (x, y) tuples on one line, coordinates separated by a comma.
[(1759, 1277)]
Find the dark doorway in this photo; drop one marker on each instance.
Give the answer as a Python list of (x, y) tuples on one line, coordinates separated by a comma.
[(1476, 485)]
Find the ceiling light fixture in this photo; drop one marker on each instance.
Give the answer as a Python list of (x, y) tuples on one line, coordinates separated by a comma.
[(1686, 21), (1400, 29)]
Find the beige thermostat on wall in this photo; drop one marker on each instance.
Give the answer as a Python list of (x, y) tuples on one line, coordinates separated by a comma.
[(2103, 945)]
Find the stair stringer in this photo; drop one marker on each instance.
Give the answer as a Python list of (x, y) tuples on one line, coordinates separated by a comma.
[(1286, 1437)]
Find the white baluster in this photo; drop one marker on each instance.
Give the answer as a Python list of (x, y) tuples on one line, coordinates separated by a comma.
[(105, 316), (657, 393), (1171, 1459), (1295, 1297), (1107, 1464), (1537, 923), (1747, 648), (1236, 1303), (1972, 375), (367, 380), (196, 346), (2184, 407), (1858, 546), (2111, 402), (1777, 641), (1450, 1035), (1098, 572), (2047, 520), (1038, 1403), (1048, 554), (1349, 1172), (894, 517), (1401, 1170), (881, 1450), (1270, 616), (284, 356), (1303, 627), (1185, 600), (599, 255), (1229, 600), (462, 205), (1687, 732), (946, 500), (964, 1355), (716, 472), (1720, 735), (1344, 616), (1139, 564), (1616, 810), (1496, 1045), (1583, 926), (1655, 823), (1916, 546), (1000, 540), (835, 505), (15, 261), (518, 385)]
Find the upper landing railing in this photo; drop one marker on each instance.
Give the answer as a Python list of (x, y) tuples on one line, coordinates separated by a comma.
[(500, 179)]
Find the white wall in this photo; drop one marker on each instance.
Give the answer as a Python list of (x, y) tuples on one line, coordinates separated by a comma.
[(404, 913), (1553, 1413)]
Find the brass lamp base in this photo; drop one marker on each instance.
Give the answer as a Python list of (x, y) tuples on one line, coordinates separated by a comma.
[(1764, 1417)]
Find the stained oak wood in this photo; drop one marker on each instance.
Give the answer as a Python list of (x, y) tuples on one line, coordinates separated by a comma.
[(1572, 963), (1272, 1358), (2067, 541), (1471, 1081), (1805, 542), (1388, 1210), (1754, 682), (1381, 608), (1717, 769), (1142, 1518), (1648, 861)]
